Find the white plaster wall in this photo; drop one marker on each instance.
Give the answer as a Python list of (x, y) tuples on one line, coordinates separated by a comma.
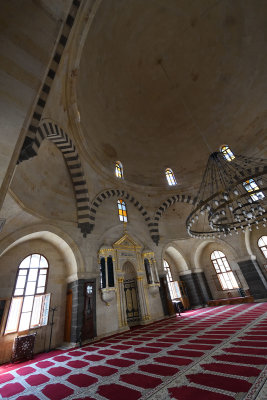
[(106, 316), (155, 306)]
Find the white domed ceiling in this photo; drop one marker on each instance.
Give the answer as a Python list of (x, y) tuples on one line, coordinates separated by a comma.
[(162, 84)]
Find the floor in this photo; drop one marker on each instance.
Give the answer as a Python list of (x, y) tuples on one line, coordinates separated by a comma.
[(215, 353)]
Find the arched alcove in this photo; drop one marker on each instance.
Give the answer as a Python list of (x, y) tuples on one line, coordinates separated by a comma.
[(62, 268), (176, 260), (60, 240), (129, 270), (131, 294), (203, 261)]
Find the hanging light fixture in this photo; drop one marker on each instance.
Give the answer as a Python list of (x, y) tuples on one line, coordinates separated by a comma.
[(231, 196)]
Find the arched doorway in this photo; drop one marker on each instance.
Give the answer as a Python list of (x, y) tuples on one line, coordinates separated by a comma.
[(131, 294)]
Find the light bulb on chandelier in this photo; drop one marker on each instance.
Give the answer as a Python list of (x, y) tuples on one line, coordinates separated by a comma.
[(231, 196)]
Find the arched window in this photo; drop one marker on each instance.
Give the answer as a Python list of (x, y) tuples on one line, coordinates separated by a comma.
[(250, 185), (170, 177), (29, 305), (173, 285), (262, 243), (148, 271), (119, 170), (110, 271), (103, 273), (106, 272), (227, 152), (122, 211), (223, 270)]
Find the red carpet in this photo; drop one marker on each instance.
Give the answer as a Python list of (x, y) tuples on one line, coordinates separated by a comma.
[(192, 393), (208, 354), (247, 350), (230, 384), (233, 369)]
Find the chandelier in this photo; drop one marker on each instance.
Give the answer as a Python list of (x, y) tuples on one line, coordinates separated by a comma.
[(231, 196)]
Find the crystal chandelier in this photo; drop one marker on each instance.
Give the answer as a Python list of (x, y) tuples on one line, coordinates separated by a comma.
[(231, 196)]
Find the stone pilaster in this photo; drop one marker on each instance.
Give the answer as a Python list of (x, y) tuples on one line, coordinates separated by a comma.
[(193, 290), (142, 299), (77, 288), (122, 304), (202, 287), (255, 279)]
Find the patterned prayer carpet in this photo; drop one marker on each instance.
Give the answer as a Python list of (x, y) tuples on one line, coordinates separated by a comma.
[(216, 353)]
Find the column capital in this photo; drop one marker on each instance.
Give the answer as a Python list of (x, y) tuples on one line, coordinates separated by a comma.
[(189, 272), (249, 257)]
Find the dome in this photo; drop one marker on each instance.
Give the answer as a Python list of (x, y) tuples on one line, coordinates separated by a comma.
[(165, 84)]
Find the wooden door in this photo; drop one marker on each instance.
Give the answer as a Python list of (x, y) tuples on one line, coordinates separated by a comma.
[(68, 315), (184, 297), (88, 328), (131, 297)]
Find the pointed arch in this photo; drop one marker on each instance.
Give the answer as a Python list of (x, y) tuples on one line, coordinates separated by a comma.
[(120, 194), (154, 231)]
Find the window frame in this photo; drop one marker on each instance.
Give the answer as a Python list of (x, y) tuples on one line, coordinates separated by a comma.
[(122, 218), (250, 185), (35, 295), (173, 286), (227, 153), (119, 170), (221, 274), (263, 246), (170, 177)]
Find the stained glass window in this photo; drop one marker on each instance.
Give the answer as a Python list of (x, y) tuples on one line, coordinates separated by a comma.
[(170, 177), (122, 210), (262, 243), (223, 270), (227, 153), (119, 170), (29, 301), (250, 185)]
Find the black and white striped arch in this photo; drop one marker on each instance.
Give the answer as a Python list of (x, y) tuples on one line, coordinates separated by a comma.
[(50, 131), (30, 147), (107, 194), (163, 207)]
